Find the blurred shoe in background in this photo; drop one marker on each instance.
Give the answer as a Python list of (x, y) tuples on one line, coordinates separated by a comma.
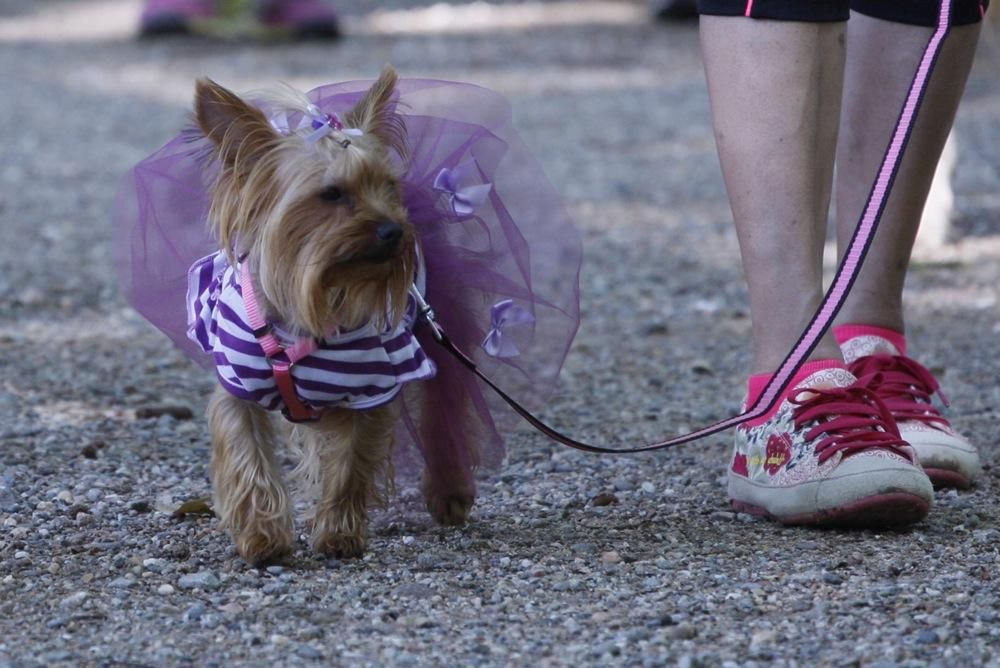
[(304, 19), (240, 19), (173, 17)]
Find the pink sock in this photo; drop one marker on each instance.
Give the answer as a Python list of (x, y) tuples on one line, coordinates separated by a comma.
[(757, 383), (845, 332)]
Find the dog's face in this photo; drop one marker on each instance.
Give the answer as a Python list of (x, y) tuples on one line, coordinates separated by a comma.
[(321, 222)]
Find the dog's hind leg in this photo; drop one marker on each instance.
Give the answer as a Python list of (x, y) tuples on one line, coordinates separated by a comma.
[(250, 496), (354, 455), (449, 451)]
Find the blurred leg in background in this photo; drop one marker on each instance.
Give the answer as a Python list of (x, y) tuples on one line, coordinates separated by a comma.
[(674, 10)]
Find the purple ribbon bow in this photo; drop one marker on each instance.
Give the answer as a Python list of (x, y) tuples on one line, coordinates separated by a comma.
[(463, 195), (315, 119), (505, 314)]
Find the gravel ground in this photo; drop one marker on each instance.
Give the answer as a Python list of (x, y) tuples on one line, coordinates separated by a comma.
[(569, 558)]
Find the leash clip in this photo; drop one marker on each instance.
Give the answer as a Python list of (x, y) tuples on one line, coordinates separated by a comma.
[(426, 313)]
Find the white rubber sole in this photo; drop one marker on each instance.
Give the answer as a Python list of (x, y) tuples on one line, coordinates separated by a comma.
[(948, 461), (861, 491)]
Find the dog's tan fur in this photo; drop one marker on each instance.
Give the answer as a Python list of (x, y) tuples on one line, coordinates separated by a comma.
[(315, 266)]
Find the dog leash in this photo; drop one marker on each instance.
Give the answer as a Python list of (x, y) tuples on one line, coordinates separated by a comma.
[(833, 300)]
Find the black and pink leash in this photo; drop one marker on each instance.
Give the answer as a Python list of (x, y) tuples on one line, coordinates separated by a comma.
[(833, 300)]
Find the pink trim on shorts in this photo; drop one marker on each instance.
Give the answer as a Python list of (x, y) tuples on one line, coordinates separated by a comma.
[(749, 8), (844, 332)]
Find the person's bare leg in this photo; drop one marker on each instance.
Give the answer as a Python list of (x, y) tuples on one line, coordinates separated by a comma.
[(775, 88), (881, 60)]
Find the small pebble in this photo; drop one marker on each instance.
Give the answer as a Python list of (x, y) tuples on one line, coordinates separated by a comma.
[(201, 580), (275, 588), (176, 411), (308, 652), (602, 500), (74, 600), (195, 612), (683, 631)]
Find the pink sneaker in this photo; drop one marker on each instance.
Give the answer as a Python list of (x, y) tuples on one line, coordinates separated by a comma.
[(164, 17), (906, 387), (305, 19), (830, 454)]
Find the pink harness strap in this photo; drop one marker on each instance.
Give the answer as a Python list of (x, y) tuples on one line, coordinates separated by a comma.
[(282, 368)]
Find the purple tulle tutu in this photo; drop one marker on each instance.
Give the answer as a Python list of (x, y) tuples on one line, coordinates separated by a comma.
[(502, 255)]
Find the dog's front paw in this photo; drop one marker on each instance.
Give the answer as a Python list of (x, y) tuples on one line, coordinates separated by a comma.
[(340, 545), (261, 526), (449, 507), (261, 546)]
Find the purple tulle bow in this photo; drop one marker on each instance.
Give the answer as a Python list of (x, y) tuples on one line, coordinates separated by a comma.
[(505, 314), (463, 196)]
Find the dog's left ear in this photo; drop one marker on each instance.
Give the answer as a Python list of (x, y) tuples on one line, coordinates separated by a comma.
[(375, 113)]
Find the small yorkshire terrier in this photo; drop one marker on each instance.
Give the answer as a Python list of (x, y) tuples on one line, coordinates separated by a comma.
[(317, 260)]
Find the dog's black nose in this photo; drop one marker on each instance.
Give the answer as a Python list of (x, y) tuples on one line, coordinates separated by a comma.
[(389, 232)]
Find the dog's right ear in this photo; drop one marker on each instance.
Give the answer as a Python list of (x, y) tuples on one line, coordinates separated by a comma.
[(375, 113), (239, 130)]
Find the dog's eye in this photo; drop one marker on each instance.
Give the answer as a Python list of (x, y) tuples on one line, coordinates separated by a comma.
[(331, 194)]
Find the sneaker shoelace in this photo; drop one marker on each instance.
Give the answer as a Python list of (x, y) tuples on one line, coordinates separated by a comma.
[(848, 420), (905, 385)]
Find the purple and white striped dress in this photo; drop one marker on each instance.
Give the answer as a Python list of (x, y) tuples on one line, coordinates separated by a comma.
[(359, 369)]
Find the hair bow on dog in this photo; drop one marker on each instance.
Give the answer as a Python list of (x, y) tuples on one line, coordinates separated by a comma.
[(315, 119), (458, 183), (505, 314)]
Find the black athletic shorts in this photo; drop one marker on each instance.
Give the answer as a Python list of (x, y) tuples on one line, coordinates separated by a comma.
[(913, 12)]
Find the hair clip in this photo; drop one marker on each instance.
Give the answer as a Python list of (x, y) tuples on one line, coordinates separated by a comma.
[(319, 123)]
